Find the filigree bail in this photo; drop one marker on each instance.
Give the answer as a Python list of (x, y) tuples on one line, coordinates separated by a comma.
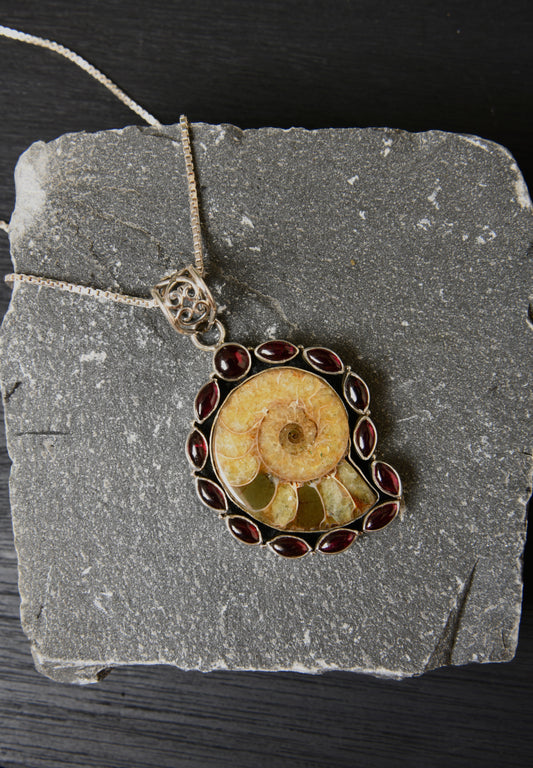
[(186, 301)]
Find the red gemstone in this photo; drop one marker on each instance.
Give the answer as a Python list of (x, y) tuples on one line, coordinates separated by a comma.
[(276, 351), (289, 546), (356, 392), (337, 541), (197, 449), (244, 530), (387, 478), (382, 516), (365, 437), (232, 361), (211, 494), (324, 360), (207, 400)]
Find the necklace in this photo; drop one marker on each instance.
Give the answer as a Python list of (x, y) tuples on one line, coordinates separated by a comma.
[(282, 446)]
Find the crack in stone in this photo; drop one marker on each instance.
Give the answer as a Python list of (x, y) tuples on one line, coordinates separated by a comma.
[(109, 218), (272, 302), (42, 432), (157, 134), (11, 390), (443, 651)]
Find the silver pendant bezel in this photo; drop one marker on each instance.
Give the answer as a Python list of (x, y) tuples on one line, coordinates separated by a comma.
[(362, 456), (241, 376), (305, 353), (364, 465), (277, 362), (378, 486)]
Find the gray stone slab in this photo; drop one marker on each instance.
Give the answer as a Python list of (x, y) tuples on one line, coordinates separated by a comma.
[(405, 252)]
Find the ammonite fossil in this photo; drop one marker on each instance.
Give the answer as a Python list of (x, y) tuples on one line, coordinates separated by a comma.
[(283, 449)]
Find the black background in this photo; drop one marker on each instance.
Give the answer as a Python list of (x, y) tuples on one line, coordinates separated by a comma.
[(457, 66)]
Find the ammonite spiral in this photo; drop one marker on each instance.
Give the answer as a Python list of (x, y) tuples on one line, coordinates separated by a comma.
[(283, 448)]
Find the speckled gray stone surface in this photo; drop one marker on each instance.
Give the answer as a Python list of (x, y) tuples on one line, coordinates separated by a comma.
[(406, 253)]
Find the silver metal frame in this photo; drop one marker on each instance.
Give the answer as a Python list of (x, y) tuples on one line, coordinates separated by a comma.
[(298, 348), (320, 370), (186, 301), (365, 417), (197, 415), (227, 518), (193, 465), (209, 506), (357, 535), (379, 506), (287, 535), (374, 479), (349, 372), (232, 344)]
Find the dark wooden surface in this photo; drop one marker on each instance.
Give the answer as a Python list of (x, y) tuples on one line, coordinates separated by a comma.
[(458, 66)]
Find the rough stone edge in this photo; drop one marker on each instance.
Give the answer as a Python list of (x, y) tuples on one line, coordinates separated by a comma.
[(89, 671)]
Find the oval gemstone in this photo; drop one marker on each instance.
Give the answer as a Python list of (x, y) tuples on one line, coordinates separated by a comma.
[(356, 392), (207, 400), (232, 361), (277, 351), (197, 449), (244, 530), (290, 546), (387, 479), (211, 494), (381, 516), (337, 541), (324, 360), (365, 437)]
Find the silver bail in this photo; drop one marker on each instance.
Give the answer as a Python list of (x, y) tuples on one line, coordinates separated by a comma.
[(186, 301)]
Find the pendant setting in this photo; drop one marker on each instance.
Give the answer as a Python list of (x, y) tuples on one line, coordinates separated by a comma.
[(283, 449), (282, 446)]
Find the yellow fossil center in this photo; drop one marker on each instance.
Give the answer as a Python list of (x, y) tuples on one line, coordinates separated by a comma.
[(279, 446), (297, 431), (286, 422), (295, 436)]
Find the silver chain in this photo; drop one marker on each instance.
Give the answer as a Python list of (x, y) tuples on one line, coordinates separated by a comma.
[(193, 196), (41, 42), (82, 290), (15, 34)]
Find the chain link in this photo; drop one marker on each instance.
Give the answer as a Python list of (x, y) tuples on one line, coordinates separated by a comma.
[(15, 34), (193, 196), (41, 42), (83, 290)]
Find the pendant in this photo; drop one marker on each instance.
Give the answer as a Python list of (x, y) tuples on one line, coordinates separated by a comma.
[(282, 446), (283, 449)]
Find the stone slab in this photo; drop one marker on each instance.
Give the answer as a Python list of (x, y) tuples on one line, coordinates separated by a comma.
[(405, 252)]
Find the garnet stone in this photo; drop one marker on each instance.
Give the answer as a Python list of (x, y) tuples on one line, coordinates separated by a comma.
[(207, 400), (211, 494), (386, 478), (289, 546), (277, 351), (324, 360), (244, 529), (365, 437), (232, 361), (381, 516), (337, 541), (356, 392), (197, 449)]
